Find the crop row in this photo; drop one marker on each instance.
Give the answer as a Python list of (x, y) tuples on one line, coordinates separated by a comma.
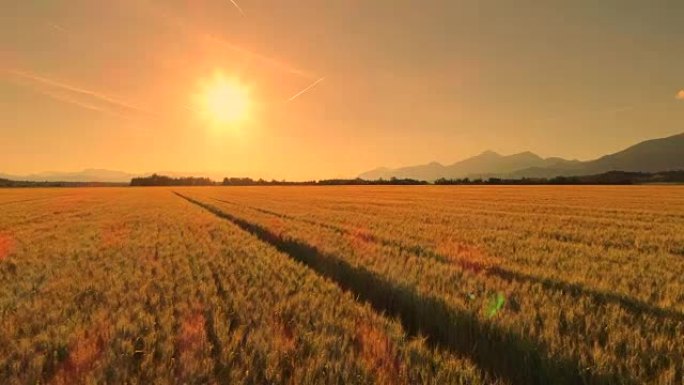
[(139, 286), (547, 332), (532, 233)]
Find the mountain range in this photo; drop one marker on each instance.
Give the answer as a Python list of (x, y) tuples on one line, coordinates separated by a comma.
[(663, 154), (88, 175), (99, 175)]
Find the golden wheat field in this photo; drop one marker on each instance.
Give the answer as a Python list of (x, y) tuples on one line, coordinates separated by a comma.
[(342, 285)]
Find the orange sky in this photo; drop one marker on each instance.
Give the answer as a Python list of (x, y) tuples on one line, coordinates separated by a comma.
[(88, 84)]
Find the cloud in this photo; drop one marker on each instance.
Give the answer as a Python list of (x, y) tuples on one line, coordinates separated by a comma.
[(680, 95)]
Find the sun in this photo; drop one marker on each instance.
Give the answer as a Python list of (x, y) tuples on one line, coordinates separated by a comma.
[(223, 101)]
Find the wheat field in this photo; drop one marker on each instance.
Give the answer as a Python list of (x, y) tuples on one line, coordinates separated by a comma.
[(342, 285)]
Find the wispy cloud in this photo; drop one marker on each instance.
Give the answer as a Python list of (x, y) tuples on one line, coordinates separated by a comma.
[(680, 95), (307, 89)]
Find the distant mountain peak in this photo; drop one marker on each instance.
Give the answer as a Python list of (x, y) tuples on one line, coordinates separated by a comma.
[(527, 153), (663, 154), (489, 153)]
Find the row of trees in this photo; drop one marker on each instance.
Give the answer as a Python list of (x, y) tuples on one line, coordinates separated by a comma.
[(324, 182), (162, 180), (607, 178), (612, 177)]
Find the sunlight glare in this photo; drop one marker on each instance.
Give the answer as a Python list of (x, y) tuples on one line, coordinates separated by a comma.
[(223, 101)]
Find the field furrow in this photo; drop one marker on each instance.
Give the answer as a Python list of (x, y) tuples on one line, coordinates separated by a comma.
[(157, 290), (596, 335)]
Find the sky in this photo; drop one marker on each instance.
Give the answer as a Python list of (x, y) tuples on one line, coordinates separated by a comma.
[(334, 87)]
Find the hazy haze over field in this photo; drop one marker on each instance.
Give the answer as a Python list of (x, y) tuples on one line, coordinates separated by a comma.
[(110, 85)]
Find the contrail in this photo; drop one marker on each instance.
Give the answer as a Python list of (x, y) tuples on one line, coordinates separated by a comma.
[(238, 7), (312, 85), (271, 62), (57, 27), (74, 89), (173, 20), (70, 100), (61, 94)]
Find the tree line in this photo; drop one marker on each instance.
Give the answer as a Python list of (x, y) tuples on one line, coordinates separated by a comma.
[(608, 178), (163, 180), (323, 182)]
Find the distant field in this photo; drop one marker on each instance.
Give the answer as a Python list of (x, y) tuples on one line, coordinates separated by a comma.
[(342, 285)]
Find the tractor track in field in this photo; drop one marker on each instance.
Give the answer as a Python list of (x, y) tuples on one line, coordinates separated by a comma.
[(499, 352), (574, 290), (24, 201)]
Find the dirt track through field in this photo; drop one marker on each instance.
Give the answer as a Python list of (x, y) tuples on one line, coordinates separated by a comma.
[(518, 358), (575, 290)]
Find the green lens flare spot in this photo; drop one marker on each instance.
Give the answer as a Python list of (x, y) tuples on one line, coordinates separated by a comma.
[(495, 304)]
